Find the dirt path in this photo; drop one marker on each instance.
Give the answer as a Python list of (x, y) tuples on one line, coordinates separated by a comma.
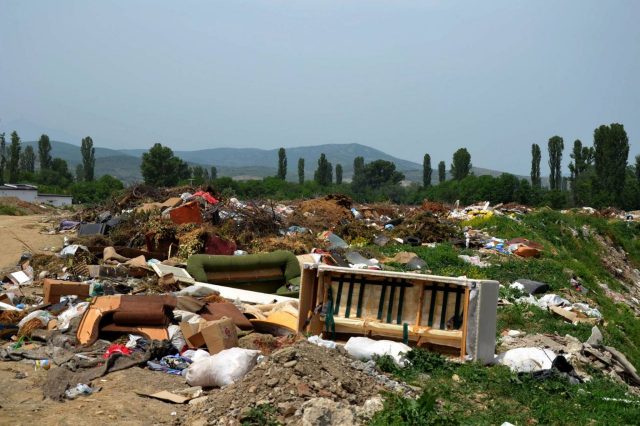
[(27, 229), (22, 403)]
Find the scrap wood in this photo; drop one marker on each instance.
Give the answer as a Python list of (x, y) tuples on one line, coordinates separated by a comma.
[(166, 396)]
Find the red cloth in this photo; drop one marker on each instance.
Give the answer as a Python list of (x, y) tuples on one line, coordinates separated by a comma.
[(208, 197), (115, 349)]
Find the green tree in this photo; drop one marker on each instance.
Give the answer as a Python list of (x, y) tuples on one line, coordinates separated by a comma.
[(338, 174), (324, 173), (535, 165), (282, 164), (300, 171), (461, 165), (3, 157), (97, 191), (357, 179), (44, 152), (637, 167), (214, 173), (426, 171), (380, 173), (88, 158), (28, 160), (14, 158), (197, 173), (442, 172), (611, 151), (160, 167), (555, 147), (79, 173)]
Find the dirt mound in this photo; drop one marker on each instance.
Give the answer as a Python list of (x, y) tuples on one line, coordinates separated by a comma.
[(322, 213), (23, 207), (427, 227), (285, 380), (434, 207)]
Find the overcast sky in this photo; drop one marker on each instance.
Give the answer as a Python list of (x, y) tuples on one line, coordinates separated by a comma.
[(406, 77)]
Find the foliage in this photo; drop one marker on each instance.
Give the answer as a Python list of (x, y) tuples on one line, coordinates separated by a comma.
[(426, 171), (380, 173), (44, 152), (3, 157), (535, 165), (28, 160), (282, 164), (324, 173), (611, 150), (161, 168), (461, 165), (442, 172), (95, 191), (262, 415), (399, 411), (88, 158), (214, 173), (8, 210), (338, 174), (555, 147), (14, 158), (300, 171)]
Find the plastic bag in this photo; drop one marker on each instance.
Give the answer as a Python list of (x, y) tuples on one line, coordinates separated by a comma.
[(364, 348), (64, 319), (527, 360), (43, 316), (223, 368), (317, 340)]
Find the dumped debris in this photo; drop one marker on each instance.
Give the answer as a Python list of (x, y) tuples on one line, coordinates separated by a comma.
[(286, 380)]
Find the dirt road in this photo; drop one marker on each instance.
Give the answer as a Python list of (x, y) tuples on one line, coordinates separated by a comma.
[(27, 229)]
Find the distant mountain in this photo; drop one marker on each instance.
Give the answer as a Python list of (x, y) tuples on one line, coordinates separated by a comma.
[(268, 158), (242, 163)]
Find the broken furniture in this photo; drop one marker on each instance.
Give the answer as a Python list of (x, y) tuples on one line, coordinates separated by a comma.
[(446, 314), (263, 272), (145, 315), (54, 289)]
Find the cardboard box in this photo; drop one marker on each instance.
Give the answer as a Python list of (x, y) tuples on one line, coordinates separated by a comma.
[(216, 335), (53, 289)]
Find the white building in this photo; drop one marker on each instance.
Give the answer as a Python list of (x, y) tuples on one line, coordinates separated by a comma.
[(30, 194)]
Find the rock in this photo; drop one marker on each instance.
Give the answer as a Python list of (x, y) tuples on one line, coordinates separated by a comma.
[(198, 400), (290, 364), (303, 389), (595, 339), (455, 378), (273, 381), (324, 412), (370, 407)]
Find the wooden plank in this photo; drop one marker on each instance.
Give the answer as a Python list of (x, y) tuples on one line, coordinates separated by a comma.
[(420, 301), (392, 274), (465, 324)]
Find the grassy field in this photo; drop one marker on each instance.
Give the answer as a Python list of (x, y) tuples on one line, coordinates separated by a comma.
[(474, 394)]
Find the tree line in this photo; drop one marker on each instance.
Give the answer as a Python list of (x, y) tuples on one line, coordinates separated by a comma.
[(52, 174)]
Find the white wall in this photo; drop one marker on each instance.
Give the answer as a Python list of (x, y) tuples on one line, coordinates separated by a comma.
[(24, 195)]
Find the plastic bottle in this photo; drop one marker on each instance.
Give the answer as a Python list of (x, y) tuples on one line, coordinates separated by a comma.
[(43, 364)]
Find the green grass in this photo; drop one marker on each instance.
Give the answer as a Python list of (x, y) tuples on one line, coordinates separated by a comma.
[(7, 210), (493, 395), (567, 251)]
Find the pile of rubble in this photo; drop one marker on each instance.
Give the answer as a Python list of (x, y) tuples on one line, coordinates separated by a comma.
[(293, 380)]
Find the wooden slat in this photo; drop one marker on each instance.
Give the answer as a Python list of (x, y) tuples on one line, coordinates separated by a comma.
[(465, 323)]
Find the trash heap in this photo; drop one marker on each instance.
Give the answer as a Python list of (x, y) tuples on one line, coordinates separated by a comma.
[(186, 283)]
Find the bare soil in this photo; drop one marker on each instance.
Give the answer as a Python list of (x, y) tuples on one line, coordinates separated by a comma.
[(22, 401), (26, 233)]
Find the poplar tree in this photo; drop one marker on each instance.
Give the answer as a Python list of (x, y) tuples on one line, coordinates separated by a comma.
[(44, 152), (555, 147), (88, 158), (300, 171), (282, 164), (338, 174), (442, 172), (536, 155), (426, 171)]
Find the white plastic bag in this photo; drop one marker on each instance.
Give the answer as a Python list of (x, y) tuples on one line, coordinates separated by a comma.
[(64, 319), (223, 368), (364, 348), (317, 340), (527, 360)]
